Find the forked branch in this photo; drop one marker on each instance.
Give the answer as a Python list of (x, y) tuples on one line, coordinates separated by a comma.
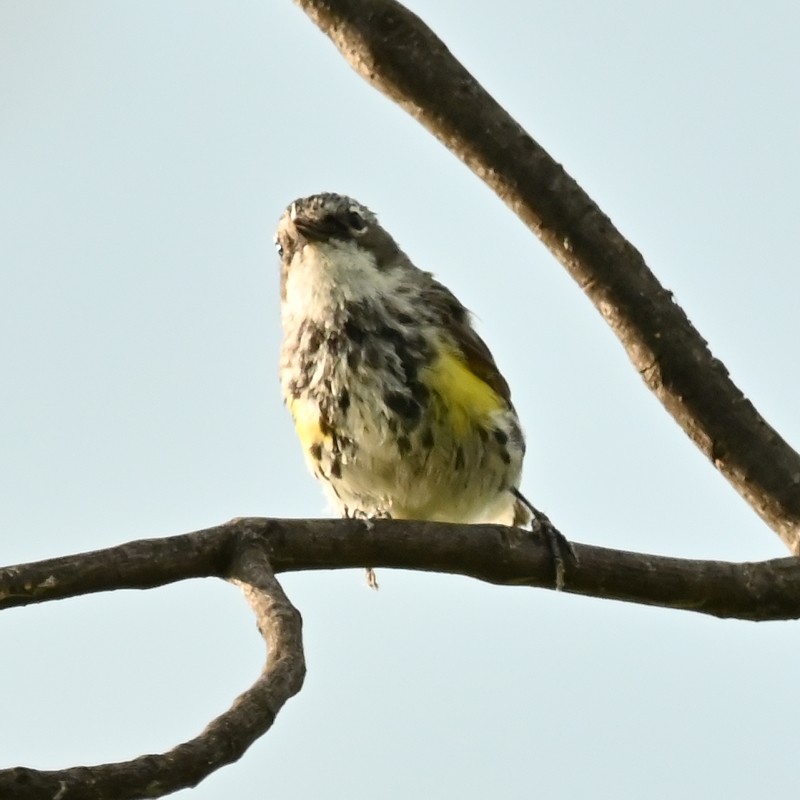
[(247, 551), (239, 557)]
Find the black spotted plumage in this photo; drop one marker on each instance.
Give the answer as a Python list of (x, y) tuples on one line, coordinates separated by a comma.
[(368, 338)]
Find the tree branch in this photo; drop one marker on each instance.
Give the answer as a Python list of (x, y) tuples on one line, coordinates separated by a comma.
[(766, 590), (228, 736), (246, 551), (399, 55)]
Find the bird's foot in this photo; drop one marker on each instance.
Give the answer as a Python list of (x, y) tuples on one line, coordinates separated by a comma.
[(561, 549), (367, 519), (372, 579)]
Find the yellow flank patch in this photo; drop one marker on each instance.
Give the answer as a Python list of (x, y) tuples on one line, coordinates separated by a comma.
[(467, 399), (305, 414)]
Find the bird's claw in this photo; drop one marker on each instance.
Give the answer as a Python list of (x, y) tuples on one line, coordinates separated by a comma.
[(372, 579), (561, 549), (367, 519)]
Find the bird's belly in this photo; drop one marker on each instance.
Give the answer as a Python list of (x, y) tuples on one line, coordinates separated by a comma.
[(373, 463)]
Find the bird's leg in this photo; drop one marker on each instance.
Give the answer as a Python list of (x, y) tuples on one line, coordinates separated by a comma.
[(561, 550), (372, 578)]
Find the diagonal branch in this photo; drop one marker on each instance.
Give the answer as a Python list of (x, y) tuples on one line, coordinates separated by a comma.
[(399, 55), (228, 736)]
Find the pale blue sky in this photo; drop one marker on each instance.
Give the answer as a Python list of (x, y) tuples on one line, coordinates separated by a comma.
[(146, 151)]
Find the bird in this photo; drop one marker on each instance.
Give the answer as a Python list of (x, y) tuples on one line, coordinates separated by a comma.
[(398, 403)]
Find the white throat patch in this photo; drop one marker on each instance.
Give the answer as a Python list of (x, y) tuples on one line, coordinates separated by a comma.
[(326, 275)]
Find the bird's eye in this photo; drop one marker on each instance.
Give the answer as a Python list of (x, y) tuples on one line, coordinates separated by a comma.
[(356, 222), (278, 247)]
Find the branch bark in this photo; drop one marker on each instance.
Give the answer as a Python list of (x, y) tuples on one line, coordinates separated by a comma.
[(400, 56), (238, 556), (767, 590), (247, 552)]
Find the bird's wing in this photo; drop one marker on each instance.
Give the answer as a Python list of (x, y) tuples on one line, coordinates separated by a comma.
[(452, 315)]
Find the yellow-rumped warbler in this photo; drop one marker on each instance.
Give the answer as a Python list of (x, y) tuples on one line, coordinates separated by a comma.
[(399, 405)]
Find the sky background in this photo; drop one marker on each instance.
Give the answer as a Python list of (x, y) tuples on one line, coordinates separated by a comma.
[(146, 152)]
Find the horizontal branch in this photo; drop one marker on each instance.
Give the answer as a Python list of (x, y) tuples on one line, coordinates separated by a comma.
[(227, 737), (399, 55), (247, 551), (766, 590)]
